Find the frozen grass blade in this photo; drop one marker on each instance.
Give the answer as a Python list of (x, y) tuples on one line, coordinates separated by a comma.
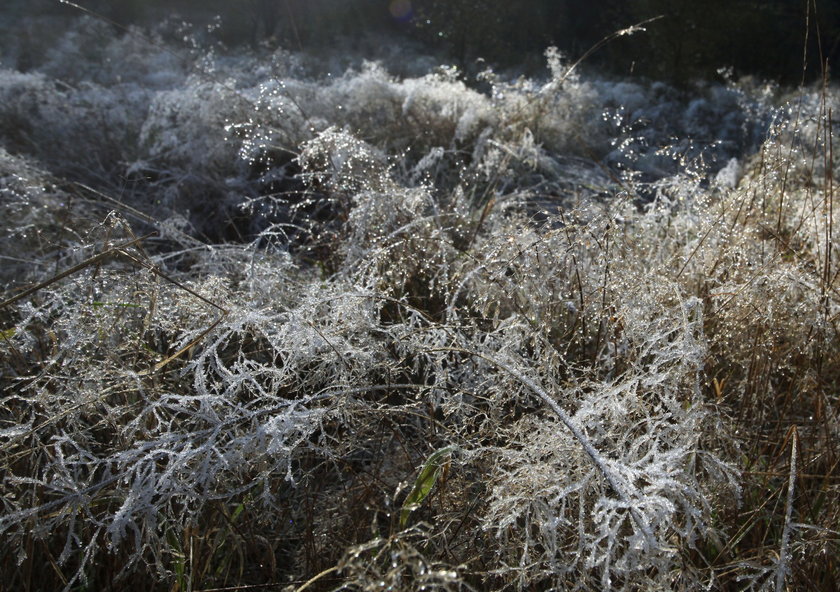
[(97, 259), (784, 550), (617, 484)]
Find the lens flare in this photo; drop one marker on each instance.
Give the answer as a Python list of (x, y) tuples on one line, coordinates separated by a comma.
[(401, 10)]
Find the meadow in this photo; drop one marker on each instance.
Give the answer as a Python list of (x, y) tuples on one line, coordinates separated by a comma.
[(274, 320)]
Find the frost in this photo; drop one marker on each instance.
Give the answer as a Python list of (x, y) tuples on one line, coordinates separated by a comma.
[(245, 300)]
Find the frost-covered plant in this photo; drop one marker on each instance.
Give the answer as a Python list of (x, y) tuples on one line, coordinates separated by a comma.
[(619, 364)]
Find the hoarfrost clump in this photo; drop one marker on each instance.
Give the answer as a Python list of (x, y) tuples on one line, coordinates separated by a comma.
[(363, 331), (186, 127), (49, 120)]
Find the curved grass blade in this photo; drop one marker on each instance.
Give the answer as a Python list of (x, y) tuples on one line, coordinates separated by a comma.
[(425, 481)]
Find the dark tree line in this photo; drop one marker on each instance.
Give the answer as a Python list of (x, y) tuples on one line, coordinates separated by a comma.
[(692, 39)]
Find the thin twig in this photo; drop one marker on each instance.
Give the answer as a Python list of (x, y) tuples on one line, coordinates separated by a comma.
[(98, 258)]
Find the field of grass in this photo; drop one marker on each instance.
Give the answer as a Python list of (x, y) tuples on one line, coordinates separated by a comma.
[(274, 321)]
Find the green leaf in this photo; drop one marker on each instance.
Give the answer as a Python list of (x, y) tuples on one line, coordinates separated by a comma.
[(425, 482), (7, 333)]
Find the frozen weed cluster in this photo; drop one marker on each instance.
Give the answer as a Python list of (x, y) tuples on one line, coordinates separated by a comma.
[(244, 309)]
